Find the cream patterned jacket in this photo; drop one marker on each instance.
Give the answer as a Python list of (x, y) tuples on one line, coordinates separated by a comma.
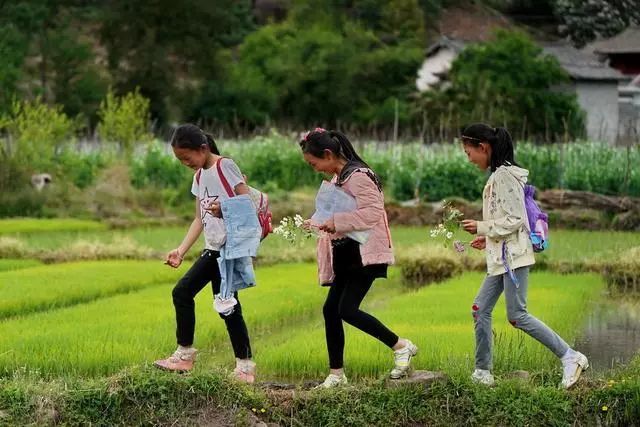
[(504, 219)]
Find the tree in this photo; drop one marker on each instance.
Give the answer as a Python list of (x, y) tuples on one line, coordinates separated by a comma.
[(125, 120), (507, 81), (584, 21), (322, 67), (161, 45), (62, 69)]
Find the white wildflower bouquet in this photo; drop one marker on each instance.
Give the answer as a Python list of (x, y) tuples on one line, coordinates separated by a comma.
[(451, 217), (291, 229)]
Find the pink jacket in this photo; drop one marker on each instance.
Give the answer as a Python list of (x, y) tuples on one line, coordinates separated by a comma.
[(369, 215)]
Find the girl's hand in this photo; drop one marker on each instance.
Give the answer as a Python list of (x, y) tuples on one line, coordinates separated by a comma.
[(479, 243), (308, 225), (470, 225), (329, 226), (214, 208), (174, 258)]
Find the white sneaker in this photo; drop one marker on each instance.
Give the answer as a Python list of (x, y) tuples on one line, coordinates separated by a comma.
[(483, 376), (573, 363), (402, 360), (333, 380)]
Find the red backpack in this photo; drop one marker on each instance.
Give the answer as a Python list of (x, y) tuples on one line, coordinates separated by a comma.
[(260, 200)]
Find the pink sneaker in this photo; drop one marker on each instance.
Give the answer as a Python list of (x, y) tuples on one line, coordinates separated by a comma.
[(245, 371), (179, 361)]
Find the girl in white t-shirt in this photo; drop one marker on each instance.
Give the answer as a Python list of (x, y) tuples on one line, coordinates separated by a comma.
[(198, 150)]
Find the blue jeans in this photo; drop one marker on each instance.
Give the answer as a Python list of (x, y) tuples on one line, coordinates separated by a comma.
[(519, 317)]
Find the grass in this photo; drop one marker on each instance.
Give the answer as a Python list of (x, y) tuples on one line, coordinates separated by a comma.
[(33, 225), (17, 264), (145, 396), (110, 333), (47, 287), (566, 245), (438, 319)]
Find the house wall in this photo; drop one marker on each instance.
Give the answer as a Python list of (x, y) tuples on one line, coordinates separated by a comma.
[(434, 66), (599, 99), (629, 129)]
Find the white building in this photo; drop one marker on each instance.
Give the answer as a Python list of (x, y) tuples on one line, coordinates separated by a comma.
[(594, 82)]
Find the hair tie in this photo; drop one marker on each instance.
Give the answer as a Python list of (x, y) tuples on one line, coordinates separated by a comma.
[(316, 130)]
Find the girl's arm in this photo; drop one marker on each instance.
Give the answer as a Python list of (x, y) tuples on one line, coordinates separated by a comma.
[(193, 233), (370, 206), (175, 257), (509, 201)]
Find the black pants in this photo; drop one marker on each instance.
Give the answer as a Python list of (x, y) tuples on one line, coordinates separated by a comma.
[(351, 284), (205, 270)]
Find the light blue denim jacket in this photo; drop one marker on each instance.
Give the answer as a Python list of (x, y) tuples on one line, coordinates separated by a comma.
[(243, 239)]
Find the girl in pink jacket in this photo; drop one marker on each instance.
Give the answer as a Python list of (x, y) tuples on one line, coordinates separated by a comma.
[(346, 266)]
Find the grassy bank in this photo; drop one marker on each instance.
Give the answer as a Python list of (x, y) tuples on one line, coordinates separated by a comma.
[(144, 396)]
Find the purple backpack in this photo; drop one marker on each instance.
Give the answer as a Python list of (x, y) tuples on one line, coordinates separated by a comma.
[(538, 220)]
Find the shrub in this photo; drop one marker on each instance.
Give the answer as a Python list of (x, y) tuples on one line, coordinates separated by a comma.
[(113, 196), (159, 170), (84, 250), (623, 274), (39, 132), (10, 247), (80, 169), (125, 120), (420, 266), (27, 201), (515, 80)]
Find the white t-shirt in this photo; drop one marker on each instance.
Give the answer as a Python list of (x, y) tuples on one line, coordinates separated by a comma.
[(210, 189)]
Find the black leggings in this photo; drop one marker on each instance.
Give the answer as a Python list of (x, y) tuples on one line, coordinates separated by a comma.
[(343, 303), (205, 270)]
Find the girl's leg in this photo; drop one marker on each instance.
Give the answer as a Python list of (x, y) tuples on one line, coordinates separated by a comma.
[(520, 318), (482, 307), (238, 333), (236, 326), (355, 289), (334, 332), (201, 272)]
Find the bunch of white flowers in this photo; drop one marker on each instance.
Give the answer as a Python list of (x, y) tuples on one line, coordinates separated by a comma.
[(441, 231), (451, 218), (290, 229)]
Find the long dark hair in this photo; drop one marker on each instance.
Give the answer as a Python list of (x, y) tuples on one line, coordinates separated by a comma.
[(192, 137), (499, 140), (318, 140)]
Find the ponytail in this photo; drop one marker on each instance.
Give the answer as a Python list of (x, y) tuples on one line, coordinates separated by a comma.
[(346, 148), (193, 138), (211, 143)]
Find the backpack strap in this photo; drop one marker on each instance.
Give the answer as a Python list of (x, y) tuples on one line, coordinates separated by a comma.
[(198, 173), (223, 180)]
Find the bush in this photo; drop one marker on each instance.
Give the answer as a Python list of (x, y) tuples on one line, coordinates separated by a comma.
[(26, 202), (125, 120), (420, 266), (80, 169), (84, 250), (10, 247), (516, 83), (159, 170), (623, 274), (113, 196), (429, 172), (38, 132)]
